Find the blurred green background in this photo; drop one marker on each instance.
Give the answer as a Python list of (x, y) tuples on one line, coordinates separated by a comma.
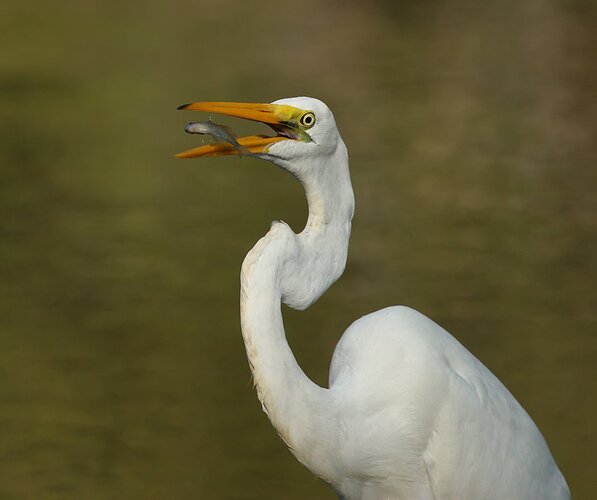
[(471, 129)]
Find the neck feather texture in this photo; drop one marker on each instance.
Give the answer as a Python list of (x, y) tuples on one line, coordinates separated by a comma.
[(297, 269)]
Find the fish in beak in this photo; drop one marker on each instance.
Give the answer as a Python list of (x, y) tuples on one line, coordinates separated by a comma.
[(288, 122)]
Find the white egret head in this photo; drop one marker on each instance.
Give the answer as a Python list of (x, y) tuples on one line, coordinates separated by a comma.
[(305, 129), (307, 144)]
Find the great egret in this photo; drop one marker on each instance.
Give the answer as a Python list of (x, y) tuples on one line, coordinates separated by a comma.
[(409, 413)]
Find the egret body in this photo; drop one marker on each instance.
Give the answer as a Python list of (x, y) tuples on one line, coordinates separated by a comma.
[(409, 413)]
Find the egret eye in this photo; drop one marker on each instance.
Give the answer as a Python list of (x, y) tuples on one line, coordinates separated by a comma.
[(307, 120)]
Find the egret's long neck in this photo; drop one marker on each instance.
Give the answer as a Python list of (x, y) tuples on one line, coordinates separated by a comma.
[(296, 269)]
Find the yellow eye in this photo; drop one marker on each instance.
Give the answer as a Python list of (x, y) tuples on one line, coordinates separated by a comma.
[(307, 120)]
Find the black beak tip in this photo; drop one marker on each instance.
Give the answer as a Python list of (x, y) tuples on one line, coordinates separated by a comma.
[(183, 106)]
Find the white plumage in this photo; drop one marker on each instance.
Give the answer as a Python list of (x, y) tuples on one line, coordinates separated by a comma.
[(409, 413)]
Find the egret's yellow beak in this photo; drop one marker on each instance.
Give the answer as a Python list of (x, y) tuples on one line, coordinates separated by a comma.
[(283, 119)]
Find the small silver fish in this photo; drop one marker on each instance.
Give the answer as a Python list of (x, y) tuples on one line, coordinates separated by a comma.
[(220, 133)]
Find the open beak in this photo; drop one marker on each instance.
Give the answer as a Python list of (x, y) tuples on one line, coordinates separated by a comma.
[(277, 116)]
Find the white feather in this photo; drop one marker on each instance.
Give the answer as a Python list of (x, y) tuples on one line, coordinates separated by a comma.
[(410, 413)]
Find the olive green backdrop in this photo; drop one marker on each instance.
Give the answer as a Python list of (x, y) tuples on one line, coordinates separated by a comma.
[(471, 130)]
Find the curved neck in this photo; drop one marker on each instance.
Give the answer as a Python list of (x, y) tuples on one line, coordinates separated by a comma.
[(296, 269)]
